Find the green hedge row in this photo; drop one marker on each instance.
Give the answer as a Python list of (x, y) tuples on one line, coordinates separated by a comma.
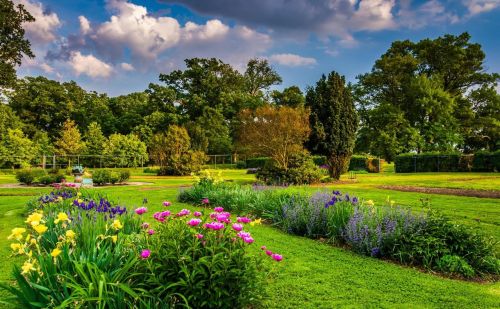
[(357, 163), (447, 162)]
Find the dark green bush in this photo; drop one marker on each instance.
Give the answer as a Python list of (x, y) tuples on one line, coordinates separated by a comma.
[(454, 264), (358, 163), (26, 176), (486, 161), (47, 179), (301, 170), (151, 170), (320, 160), (430, 162), (190, 162), (257, 162), (241, 165), (124, 175), (104, 176)]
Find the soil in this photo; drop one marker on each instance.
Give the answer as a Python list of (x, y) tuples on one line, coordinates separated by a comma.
[(446, 191)]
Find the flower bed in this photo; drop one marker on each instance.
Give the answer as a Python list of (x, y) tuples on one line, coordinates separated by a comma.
[(85, 251)]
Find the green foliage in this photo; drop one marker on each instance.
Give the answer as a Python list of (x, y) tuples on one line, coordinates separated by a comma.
[(333, 121), (16, 149), (257, 162), (106, 176), (447, 162), (25, 177), (290, 96), (486, 161), (301, 170), (124, 151), (70, 141), (94, 141), (455, 264)]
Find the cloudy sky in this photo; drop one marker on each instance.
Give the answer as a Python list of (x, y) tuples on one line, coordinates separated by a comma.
[(120, 46)]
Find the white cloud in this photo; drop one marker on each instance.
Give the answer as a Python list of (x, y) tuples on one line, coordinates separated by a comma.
[(84, 24), (292, 60), (431, 12), (126, 66), (89, 65), (42, 30), (34, 63), (373, 15), (481, 6), (213, 29)]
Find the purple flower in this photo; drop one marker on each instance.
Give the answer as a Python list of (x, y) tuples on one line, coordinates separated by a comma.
[(166, 203), (151, 231), (183, 212), (141, 210), (205, 201), (218, 209), (248, 240), (145, 254), (237, 227), (194, 222), (145, 225), (199, 236), (277, 257), (243, 220), (197, 214), (215, 226)]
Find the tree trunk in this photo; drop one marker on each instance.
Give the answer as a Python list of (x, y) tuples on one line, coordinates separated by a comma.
[(337, 165)]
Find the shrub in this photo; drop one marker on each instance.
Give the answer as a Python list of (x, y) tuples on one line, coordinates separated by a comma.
[(455, 265), (485, 161), (105, 176), (124, 175), (241, 165), (188, 163), (301, 170), (47, 179), (257, 162), (27, 176), (151, 170), (481, 161)]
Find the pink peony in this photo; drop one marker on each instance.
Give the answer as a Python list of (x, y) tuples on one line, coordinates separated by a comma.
[(205, 201), (223, 217), (197, 214), (141, 210), (151, 231), (194, 222), (145, 253), (277, 257), (237, 227), (161, 215), (243, 235), (269, 252), (243, 220), (248, 240), (166, 203), (215, 226), (263, 248), (218, 209), (199, 236), (183, 212), (145, 225)]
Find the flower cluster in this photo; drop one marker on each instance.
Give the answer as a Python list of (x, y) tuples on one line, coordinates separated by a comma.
[(103, 206), (56, 196)]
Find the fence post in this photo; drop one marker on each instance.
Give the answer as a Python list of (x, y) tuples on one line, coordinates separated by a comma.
[(43, 161), (53, 162)]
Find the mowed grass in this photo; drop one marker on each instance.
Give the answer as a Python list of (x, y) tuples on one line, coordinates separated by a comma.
[(313, 274)]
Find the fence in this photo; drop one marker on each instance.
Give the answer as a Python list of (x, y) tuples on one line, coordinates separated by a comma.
[(65, 161)]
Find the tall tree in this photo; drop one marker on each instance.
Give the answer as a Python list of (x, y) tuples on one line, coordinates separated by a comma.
[(291, 96), (70, 141), (16, 150), (259, 76), (13, 45), (94, 142), (333, 121)]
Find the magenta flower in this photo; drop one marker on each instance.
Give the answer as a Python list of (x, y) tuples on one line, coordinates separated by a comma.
[(218, 209), (183, 212), (166, 203), (145, 253), (269, 252), (161, 215), (145, 225), (141, 210), (243, 234), (277, 257), (237, 227), (151, 231), (194, 222), (197, 214), (199, 236), (243, 220), (263, 248), (215, 226), (205, 201), (223, 217), (248, 240)]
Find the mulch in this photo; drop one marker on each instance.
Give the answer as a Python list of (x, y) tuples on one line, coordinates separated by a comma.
[(446, 191)]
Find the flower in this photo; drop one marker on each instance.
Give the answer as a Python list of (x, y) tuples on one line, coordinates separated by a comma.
[(248, 240), (369, 203), (205, 201), (243, 235), (161, 215), (116, 224), (34, 219), (269, 252), (145, 253), (145, 225), (141, 210), (40, 229), (215, 226), (218, 209), (237, 227), (197, 214), (183, 212), (263, 248), (70, 234), (166, 203), (55, 252), (17, 247), (17, 233), (194, 222), (222, 217), (114, 238), (256, 221), (243, 220), (277, 257), (61, 217), (151, 231), (199, 236), (27, 267)]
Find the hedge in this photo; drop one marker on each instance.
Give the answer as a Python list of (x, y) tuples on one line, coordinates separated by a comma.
[(257, 162), (357, 163), (447, 162)]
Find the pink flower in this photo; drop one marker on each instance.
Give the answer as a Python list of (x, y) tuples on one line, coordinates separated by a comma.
[(223, 217), (194, 222), (269, 252), (145, 253), (277, 257), (199, 236), (161, 215), (183, 212), (151, 231), (166, 203), (243, 220), (214, 226), (218, 209), (248, 240), (263, 248), (197, 214), (237, 227), (145, 225), (243, 234), (205, 201), (141, 210)]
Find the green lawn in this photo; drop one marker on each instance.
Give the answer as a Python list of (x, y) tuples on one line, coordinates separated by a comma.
[(316, 275)]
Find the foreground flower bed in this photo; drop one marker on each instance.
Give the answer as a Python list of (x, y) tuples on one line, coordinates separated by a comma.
[(85, 251), (422, 239)]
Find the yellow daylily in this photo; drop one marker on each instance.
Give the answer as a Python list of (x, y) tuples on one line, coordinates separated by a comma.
[(33, 241), (114, 238), (34, 219), (61, 217), (59, 199), (17, 233), (117, 224), (256, 221), (79, 194), (79, 201), (369, 203), (17, 247), (40, 229), (27, 267), (70, 234), (55, 252)]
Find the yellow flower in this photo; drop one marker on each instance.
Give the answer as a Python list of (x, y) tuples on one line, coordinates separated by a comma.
[(117, 224), (392, 203), (114, 238), (40, 229), (61, 217), (70, 234), (256, 221), (33, 241), (17, 233), (79, 194), (79, 201), (17, 247), (369, 203), (34, 219), (55, 252), (27, 267), (59, 199)]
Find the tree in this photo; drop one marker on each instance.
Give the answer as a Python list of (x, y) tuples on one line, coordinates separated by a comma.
[(8, 120), (70, 141), (277, 132), (333, 121), (216, 131), (291, 96), (16, 149), (259, 76), (94, 141), (124, 151), (42, 145), (13, 45)]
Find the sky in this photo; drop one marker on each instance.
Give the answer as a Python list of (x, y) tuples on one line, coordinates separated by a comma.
[(120, 46)]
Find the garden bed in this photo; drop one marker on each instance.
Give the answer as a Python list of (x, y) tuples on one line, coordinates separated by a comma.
[(445, 191)]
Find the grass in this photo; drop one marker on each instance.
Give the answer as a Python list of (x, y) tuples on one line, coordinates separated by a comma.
[(313, 274)]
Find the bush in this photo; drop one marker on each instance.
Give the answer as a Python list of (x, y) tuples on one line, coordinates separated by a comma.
[(187, 163), (481, 161), (301, 170), (105, 176), (124, 175), (25, 176), (358, 163), (486, 161), (455, 265), (47, 179), (241, 165), (257, 162)]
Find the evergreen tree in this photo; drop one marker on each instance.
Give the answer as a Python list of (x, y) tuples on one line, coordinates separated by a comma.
[(94, 140), (70, 143), (333, 121)]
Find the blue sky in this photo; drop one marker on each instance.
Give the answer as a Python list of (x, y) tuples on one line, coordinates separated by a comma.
[(118, 46)]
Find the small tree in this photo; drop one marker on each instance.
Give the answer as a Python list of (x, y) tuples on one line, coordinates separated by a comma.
[(277, 132), (124, 151), (16, 149), (94, 140), (70, 142), (333, 121)]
